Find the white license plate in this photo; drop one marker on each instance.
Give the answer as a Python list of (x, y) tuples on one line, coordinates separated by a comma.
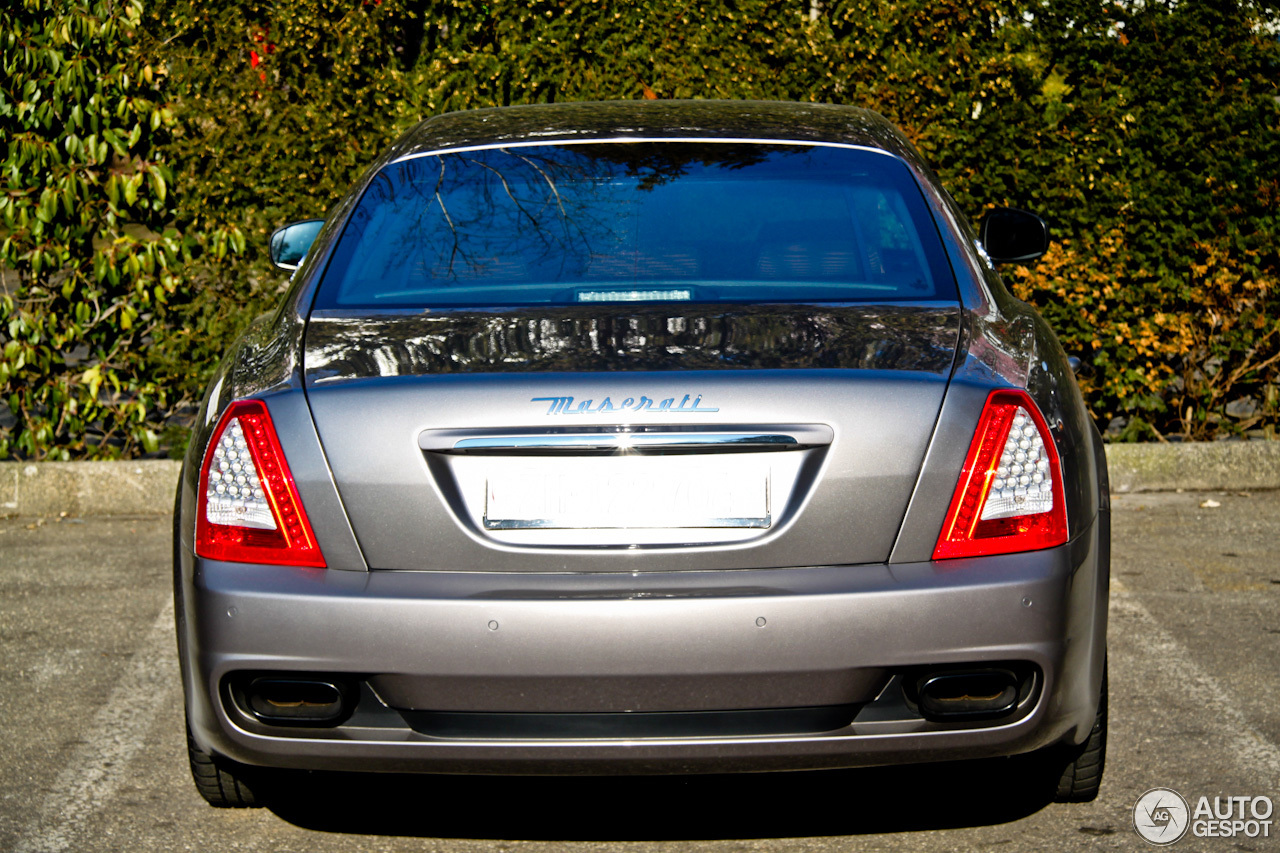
[(627, 492)]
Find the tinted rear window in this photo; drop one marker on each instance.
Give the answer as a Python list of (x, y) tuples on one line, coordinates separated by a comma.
[(639, 222)]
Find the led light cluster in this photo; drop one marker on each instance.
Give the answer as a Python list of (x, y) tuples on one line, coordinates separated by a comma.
[(249, 509), (1009, 496), (235, 494), (1023, 484)]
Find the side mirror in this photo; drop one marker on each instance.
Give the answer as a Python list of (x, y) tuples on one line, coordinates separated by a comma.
[(1013, 236), (289, 244), (1080, 368)]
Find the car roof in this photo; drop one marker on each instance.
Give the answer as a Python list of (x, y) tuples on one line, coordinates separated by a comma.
[(671, 119)]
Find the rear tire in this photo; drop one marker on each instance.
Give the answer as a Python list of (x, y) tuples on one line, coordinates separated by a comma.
[(222, 783), (1081, 778)]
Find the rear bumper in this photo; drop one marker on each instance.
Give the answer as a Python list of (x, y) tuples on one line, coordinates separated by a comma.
[(695, 641)]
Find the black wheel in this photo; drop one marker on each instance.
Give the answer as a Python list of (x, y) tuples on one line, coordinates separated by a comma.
[(221, 782), (1082, 776)]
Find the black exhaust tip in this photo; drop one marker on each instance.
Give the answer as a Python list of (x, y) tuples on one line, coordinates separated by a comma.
[(298, 701), (979, 694)]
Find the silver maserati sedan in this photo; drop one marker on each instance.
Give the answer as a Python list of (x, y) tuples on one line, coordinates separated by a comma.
[(641, 438)]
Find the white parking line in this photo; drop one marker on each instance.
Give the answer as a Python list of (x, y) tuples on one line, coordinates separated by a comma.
[(1163, 653), (95, 769)]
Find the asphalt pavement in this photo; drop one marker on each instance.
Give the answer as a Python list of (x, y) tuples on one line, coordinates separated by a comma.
[(92, 755)]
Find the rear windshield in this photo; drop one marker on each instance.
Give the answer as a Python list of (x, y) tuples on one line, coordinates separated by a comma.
[(640, 222)]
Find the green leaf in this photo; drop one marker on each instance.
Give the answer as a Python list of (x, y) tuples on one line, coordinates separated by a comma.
[(157, 183), (93, 378), (113, 139), (48, 206)]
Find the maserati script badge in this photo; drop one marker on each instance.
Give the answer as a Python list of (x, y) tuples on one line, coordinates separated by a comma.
[(567, 405)]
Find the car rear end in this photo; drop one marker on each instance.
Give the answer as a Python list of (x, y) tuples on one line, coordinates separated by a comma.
[(642, 456)]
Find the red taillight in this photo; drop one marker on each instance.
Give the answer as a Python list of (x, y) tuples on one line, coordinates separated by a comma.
[(248, 509), (1009, 497)]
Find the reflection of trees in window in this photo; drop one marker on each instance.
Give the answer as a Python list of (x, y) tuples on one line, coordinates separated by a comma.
[(520, 214), (494, 214)]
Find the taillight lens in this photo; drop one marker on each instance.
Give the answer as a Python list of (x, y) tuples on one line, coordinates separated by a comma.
[(248, 509), (1009, 497)]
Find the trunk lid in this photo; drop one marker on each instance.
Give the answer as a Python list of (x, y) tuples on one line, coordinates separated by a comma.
[(628, 439)]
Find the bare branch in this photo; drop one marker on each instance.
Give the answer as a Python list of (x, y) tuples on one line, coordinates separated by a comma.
[(507, 188), (550, 183)]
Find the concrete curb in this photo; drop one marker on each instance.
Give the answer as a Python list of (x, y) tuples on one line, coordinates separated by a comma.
[(147, 487), (142, 487), (1211, 466)]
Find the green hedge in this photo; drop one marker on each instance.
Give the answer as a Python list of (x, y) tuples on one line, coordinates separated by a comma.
[(89, 255), (150, 151)]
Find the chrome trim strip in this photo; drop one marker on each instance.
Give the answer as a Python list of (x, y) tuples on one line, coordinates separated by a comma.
[(637, 440), (606, 140)]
